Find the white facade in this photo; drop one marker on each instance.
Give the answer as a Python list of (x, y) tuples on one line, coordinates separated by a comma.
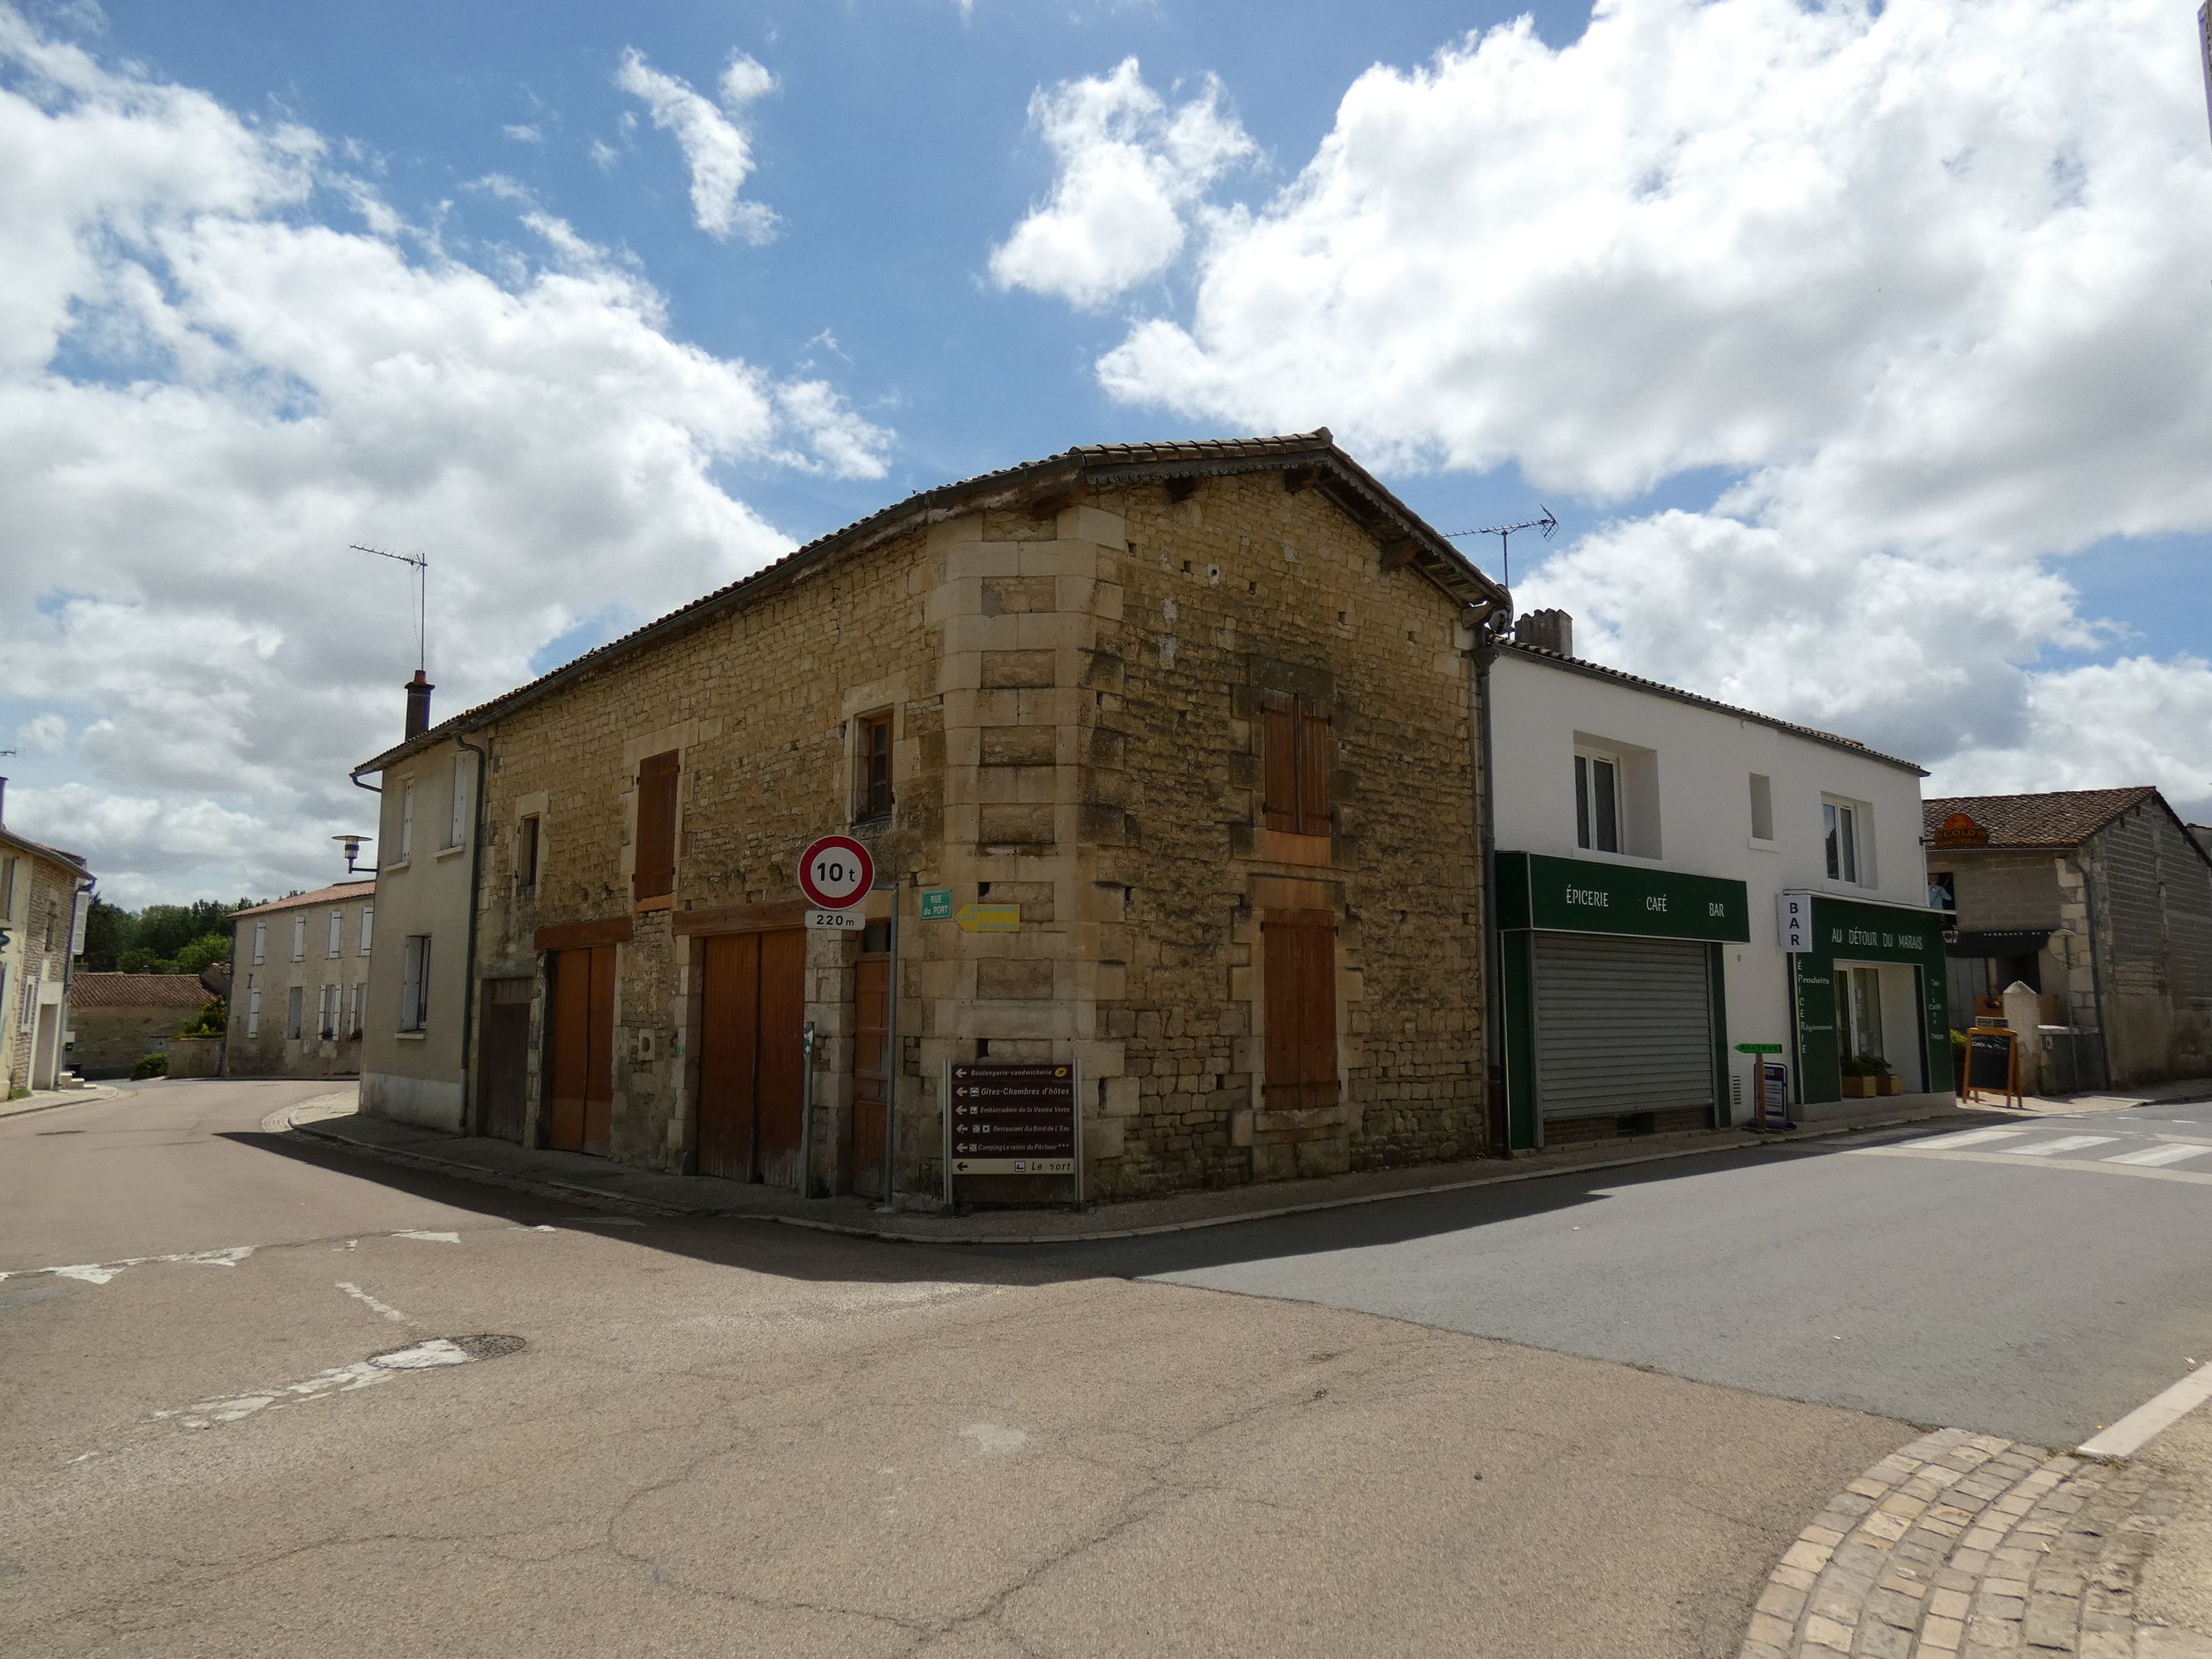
[(1686, 776)]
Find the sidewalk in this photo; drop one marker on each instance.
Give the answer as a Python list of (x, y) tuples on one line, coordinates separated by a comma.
[(2151, 1094), (45, 1100), (595, 1181), (1967, 1547)]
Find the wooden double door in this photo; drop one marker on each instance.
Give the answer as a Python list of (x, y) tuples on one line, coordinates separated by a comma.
[(752, 997), (580, 1095)]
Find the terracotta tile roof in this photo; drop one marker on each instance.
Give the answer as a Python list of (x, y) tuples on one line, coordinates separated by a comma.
[(1814, 734), (1349, 483), (137, 991), (2059, 817), (337, 894)]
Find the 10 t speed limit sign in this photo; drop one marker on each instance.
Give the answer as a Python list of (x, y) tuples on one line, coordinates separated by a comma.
[(837, 873)]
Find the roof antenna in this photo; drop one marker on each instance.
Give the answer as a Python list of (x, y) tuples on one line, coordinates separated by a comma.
[(422, 567), (1547, 523)]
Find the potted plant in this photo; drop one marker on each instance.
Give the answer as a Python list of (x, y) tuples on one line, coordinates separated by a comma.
[(1862, 1075)]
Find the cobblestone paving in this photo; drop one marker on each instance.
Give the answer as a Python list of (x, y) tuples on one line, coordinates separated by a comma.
[(1966, 1547)]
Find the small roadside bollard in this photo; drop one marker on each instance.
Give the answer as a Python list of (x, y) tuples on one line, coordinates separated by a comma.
[(806, 1110)]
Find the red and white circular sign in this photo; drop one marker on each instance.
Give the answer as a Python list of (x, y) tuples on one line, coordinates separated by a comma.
[(836, 872)]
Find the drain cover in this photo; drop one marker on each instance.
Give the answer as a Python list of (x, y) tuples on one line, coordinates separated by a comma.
[(436, 1351), (487, 1347)]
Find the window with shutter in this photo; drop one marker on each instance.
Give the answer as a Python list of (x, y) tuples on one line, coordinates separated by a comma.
[(526, 853), (1297, 754), (337, 928), (1298, 974), (655, 876), (299, 940), (294, 1002), (873, 797)]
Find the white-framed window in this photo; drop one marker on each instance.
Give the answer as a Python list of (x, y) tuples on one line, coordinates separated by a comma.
[(1762, 807), (326, 1012), (295, 1008), (360, 1020), (253, 1007), (414, 984), (1598, 815), (457, 821), (299, 938), (1843, 829), (406, 820), (337, 928), (368, 927), (260, 941)]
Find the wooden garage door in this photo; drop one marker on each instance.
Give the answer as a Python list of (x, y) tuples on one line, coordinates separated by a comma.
[(581, 1092), (752, 1005)]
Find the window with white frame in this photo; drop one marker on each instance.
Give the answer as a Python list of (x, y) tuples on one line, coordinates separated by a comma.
[(1762, 807), (326, 1012), (359, 1022), (406, 820), (260, 940), (367, 926), (1843, 828), (337, 929), (1598, 823), (456, 820), (414, 984), (253, 1007), (300, 938), (295, 1004)]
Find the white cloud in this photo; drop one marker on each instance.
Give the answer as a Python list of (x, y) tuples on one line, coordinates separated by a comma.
[(1129, 170), (42, 734), (717, 150), (524, 133), (1923, 284), (207, 391)]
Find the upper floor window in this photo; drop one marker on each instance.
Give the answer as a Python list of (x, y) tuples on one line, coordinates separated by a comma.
[(1762, 807), (874, 795), (337, 928), (1843, 836), (655, 873), (406, 820), (368, 927), (1943, 889), (1298, 753), (526, 852), (414, 984), (299, 940), (260, 940), (1597, 801), (457, 818), (8, 887)]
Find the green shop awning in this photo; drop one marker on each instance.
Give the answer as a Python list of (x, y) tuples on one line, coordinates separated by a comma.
[(1581, 895)]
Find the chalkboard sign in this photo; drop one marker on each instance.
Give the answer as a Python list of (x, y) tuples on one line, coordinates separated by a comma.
[(1992, 1063)]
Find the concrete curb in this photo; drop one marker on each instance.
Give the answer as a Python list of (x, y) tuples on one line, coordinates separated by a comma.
[(83, 1097), (549, 1187)]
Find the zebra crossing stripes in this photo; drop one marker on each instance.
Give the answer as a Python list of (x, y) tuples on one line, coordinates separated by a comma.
[(2156, 1156), (1968, 1137), (2162, 1158), (2067, 1144)]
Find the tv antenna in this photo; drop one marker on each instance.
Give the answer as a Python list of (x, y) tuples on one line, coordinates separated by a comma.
[(422, 567), (1547, 523)]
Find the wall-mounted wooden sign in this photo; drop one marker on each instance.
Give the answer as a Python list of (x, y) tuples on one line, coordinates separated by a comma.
[(1959, 830)]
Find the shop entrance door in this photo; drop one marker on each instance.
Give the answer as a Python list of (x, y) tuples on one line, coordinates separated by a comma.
[(751, 1077), (581, 1094)]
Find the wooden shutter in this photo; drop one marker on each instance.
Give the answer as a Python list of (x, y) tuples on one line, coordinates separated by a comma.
[(655, 875), (1279, 759), (1317, 760), (1299, 973)]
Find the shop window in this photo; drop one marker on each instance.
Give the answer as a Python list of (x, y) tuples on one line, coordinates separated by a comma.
[(1762, 807), (1597, 801), (1858, 1013), (655, 875), (1298, 754), (872, 797)]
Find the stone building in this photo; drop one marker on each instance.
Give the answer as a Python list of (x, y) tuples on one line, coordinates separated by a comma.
[(300, 983), (2100, 902), (1204, 712), (42, 899), (116, 1020)]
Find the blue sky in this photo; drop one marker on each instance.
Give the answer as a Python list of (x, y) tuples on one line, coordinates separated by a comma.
[(1860, 352)]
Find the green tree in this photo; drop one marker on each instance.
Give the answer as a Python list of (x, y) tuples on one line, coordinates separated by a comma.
[(208, 949), (106, 934)]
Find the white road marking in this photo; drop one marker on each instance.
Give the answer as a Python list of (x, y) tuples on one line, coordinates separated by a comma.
[(993, 1438), (2158, 1155), (2063, 1144), (372, 1303), (434, 1238), (339, 1379), (90, 1272), (602, 1221), (2153, 1417), (2102, 1166), (1966, 1137)]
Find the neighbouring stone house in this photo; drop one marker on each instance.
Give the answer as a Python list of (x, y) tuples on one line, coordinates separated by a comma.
[(42, 896), (117, 1019), (2099, 901), (300, 983), (1205, 712)]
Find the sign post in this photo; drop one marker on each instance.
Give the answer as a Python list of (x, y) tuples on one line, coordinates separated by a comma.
[(1770, 1084), (1012, 1118)]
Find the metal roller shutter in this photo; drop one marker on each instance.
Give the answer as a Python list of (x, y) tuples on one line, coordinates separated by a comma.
[(1622, 1025)]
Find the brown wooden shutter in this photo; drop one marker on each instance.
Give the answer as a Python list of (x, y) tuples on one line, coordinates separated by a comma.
[(1317, 760), (1299, 985), (1278, 757), (656, 826)]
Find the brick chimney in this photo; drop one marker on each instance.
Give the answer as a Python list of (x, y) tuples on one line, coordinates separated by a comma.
[(418, 704), (1547, 630)]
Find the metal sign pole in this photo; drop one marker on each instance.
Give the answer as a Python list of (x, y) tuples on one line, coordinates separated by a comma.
[(891, 1065), (1077, 1109), (944, 1112), (806, 1111)]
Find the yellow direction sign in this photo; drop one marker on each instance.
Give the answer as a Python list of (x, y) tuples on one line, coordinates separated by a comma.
[(989, 918)]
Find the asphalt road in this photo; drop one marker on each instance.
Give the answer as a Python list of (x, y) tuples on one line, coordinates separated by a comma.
[(2036, 1278), (232, 1429)]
